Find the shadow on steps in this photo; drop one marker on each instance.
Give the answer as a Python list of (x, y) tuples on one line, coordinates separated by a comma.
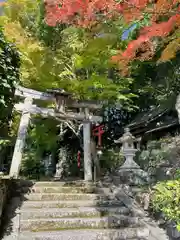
[(14, 203)]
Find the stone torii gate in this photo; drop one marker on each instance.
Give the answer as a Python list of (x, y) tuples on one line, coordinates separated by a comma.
[(66, 108)]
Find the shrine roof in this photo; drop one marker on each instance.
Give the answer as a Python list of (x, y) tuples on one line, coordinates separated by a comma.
[(163, 125), (154, 120), (145, 118)]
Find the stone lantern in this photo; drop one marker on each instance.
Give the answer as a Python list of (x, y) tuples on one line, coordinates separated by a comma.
[(128, 149), (130, 172)]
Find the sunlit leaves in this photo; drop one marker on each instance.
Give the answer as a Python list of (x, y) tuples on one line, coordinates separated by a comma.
[(79, 63), (166, 198), (171, 48)]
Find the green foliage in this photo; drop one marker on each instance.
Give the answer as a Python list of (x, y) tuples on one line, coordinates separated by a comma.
[(20, 25), (111, 159), (9, 77), (4, 142), (177, 174), (50, 36), (150, 159), (161, 157), (87, 70), (166, 198), (9, 69), (70, 58), (78, 59), (156, 84), (43, 134), (32, 166), (42, 139)]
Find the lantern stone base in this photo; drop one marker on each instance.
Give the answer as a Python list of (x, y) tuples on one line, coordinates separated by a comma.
[(132, 177), (130, 172)]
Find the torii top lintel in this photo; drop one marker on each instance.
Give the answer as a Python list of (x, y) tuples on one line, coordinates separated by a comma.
[(58, 93)]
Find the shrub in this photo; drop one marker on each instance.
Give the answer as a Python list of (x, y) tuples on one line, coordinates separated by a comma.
[(111, 159), (154, 155), (166, 198), (32, 167), (161, 158)]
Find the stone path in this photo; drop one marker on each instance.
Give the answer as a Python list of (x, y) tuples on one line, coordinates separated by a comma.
[(54, 210)]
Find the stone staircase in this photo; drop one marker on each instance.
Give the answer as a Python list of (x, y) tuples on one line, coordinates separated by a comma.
[(67, 211)]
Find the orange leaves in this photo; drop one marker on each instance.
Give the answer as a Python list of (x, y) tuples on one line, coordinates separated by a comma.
[(159, 30), (86, 12), (132, 14), (156, 30), (142, 48), (164, 6), (80, 12), (138, 4), (171, 48), (132, 47), (170, 51)]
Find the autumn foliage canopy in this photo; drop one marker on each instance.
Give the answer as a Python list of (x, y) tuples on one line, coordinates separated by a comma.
[(164, 20)]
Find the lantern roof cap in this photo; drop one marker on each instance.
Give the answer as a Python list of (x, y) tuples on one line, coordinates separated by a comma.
[(126, 137)]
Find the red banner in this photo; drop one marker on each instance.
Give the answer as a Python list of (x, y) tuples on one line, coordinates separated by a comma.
[(79, 159)]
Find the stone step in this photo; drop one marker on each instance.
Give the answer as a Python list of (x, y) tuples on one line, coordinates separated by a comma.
[(64, 196), (78, 183), (56, 189), (118, 221), (100, 234), (16, 202), (72, 212), (67, 183)]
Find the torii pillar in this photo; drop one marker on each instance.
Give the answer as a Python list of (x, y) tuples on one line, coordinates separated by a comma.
[(87, 148), (20, 141)]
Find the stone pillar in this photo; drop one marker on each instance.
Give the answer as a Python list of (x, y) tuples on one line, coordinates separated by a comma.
[(87, 150), (21, 140)]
